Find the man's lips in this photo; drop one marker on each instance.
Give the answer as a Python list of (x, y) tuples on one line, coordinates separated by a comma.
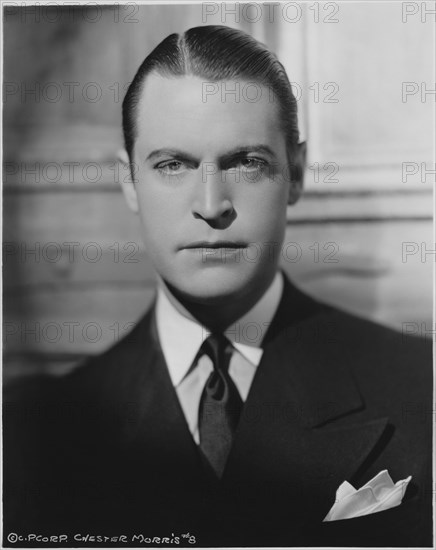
[(214, 245)]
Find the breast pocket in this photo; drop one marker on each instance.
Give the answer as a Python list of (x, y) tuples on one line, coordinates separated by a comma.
[(404, 525)]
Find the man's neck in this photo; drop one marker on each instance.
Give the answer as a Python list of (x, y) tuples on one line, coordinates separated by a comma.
[(218, 315)]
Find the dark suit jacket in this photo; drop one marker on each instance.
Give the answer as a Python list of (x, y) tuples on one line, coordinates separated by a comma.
[(106, 450)]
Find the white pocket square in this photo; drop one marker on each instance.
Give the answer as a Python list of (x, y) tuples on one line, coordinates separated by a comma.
[(378, 494)]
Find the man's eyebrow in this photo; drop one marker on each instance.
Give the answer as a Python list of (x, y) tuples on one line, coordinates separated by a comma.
[(250, 149), (157, 153)]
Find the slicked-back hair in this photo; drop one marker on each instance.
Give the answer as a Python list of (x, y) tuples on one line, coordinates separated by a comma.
[(215, 53)]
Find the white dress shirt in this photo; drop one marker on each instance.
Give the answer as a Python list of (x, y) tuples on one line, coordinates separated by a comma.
[(181, 336)]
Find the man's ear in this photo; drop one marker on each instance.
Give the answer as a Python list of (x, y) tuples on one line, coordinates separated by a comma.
[(127, 183), (298, 166)]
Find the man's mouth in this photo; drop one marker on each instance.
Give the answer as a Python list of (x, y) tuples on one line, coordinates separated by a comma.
[(214, 245)]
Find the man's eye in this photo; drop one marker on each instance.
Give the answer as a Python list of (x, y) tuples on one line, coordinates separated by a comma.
[(250, 164), (170, 167)]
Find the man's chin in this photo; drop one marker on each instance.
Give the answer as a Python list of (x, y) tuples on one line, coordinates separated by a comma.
[(211, 289), (217, 296)]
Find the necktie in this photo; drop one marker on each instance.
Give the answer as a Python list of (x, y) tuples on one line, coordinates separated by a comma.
[(220, 404)]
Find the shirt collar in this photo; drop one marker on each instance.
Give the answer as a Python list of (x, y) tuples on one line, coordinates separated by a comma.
[(181, 335)]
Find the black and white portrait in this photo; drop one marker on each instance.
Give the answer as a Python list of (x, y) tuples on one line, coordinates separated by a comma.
[(218, 258)]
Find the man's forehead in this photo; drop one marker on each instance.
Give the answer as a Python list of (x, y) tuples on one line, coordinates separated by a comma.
[(191, 107), (202, 91)]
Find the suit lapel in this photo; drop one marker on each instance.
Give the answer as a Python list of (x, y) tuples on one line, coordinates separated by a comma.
[(300, 432), (154, 433)]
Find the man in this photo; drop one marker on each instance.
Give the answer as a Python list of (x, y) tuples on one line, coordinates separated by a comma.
[(189, 431)]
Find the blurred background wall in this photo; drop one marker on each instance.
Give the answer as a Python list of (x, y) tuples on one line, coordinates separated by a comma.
[(76, 276)]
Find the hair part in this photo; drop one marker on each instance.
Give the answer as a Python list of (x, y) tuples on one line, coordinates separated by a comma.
[(215, 53)]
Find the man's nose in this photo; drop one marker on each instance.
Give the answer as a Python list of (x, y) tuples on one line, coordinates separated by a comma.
[(212, 201)]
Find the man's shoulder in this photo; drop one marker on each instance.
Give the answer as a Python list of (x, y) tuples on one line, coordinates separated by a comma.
[(369, 340), (373, 336), (381, 358), (348, 329), (119, 359), (84, 379), (389, 366)]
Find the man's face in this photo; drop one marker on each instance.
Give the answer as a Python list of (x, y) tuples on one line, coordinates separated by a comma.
[(211, 186)]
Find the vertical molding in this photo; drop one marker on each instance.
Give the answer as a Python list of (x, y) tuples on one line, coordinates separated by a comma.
[(292, 52)]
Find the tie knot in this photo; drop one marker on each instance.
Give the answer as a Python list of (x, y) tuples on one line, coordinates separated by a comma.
[(219, 349)]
